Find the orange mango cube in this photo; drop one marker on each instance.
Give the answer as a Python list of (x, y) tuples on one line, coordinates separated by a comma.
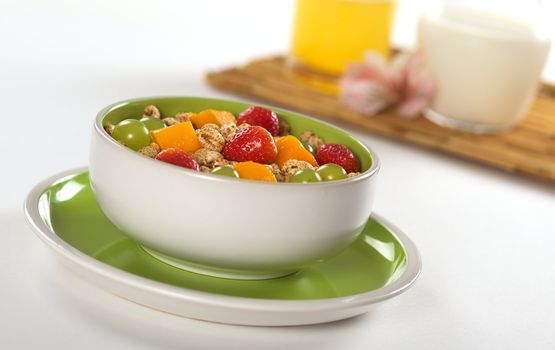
[(289, 147), (212, 116), (181, 136), (254, 171)]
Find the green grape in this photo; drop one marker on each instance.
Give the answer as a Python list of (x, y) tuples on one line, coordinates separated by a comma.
[(305, 176), (225, 170), (132, 133), (308, 147), (152, 123), (331, 172)]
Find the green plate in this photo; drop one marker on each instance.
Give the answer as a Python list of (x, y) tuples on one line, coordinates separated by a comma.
[(374, 260)]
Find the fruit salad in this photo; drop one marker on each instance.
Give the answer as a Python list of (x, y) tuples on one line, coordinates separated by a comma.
[(256, 145)]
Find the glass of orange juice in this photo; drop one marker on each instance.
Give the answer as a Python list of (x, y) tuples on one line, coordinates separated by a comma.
[(328, 34)]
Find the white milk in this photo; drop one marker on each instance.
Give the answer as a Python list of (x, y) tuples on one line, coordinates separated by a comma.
[(487, 68)]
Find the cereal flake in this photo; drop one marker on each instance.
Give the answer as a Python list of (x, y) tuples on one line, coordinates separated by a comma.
[(152, 111)]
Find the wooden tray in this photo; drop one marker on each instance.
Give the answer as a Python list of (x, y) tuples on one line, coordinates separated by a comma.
[(528, 149)]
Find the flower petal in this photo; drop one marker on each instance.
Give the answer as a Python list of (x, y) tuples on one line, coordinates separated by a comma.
[(373, 85), (412, 108)]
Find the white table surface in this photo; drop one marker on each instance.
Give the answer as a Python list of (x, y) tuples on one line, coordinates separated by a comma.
[(487, 238)]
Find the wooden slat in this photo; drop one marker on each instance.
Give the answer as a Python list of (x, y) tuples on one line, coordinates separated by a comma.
[(528, 149)]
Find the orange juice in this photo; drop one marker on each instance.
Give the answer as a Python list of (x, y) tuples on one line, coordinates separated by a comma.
[(328, 34)]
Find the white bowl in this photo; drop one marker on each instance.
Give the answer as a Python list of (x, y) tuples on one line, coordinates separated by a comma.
[(222, 226)]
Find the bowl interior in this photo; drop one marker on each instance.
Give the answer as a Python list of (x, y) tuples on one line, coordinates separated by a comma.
[(169, 106)]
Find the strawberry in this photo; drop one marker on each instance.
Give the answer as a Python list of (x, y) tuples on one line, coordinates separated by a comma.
[(338, 154), (253, 143), (178, 157), (260, 116)]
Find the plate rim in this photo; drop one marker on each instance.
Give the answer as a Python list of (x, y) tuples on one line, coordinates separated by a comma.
[(64, 249)]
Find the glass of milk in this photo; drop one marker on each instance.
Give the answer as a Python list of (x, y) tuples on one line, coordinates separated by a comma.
[(487, 65)]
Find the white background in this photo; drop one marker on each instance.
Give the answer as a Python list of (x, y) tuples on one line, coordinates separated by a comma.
[(486, 237)]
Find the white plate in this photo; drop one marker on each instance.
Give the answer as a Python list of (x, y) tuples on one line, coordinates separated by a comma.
[(215, 307)]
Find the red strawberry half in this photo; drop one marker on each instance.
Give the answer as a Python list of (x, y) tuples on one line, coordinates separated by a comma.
[(260, 116), (178, 157), (253, 143), (338, 154)]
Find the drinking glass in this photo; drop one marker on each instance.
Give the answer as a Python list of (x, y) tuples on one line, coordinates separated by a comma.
[(328, 34), (487, 59)]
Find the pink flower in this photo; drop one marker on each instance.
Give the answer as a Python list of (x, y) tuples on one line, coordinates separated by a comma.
[(373, 85)]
